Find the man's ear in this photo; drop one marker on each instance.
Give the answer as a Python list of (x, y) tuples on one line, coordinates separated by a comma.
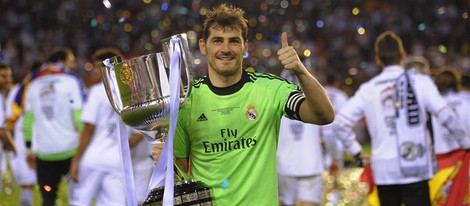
[(246, 47), (202, 46), (403, 55), (378, 61)]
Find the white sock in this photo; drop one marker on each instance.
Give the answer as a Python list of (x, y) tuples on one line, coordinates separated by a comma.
[(26, 198)]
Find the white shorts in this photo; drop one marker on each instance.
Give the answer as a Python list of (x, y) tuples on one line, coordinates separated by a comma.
[(24, 175), (106, 187), (308, 189)]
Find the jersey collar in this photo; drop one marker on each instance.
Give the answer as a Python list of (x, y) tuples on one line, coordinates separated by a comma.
[(230, 89)]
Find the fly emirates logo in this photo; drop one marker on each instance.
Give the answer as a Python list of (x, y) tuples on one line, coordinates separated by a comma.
[(230, 141)]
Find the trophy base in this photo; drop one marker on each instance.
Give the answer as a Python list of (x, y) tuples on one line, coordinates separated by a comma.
[(186, 193)]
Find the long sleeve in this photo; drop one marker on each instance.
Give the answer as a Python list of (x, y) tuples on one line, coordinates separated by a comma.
[(343, 128)]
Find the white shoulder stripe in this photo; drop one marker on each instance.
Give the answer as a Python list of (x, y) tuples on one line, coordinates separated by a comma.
[(294, 101)]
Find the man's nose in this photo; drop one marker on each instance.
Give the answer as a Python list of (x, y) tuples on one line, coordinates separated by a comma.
[(225, 46)]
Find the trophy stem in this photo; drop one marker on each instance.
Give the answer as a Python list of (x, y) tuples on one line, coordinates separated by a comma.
[(155, 137)]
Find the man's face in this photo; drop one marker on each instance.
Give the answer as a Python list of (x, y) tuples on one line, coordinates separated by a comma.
[(70, 61), (224, 49), (6, 79)]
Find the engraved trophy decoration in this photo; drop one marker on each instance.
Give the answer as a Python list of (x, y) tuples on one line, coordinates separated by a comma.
[(147, 92)]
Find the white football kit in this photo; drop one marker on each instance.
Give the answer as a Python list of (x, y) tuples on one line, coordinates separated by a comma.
[(300, 159), (24, 175), (338, 98), (443, 140), (100, 174), (299, 162), (52, 99), (463, 115), (2, 125)]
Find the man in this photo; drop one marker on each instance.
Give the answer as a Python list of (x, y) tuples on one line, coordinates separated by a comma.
[(51, 122), (229, 126), (394, 104), (300, 158), (24, 174), (6, 141), (335, 156), (447, 83), (449, 153), (99, 179)]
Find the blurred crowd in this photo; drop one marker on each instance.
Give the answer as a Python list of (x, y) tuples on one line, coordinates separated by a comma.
[(333, 35)]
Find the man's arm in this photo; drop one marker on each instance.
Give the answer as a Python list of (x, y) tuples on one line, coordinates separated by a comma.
[(135, 138), (76, 114), (316, 108), (445, 113), (450, 121), (7, 140), (85, 139)]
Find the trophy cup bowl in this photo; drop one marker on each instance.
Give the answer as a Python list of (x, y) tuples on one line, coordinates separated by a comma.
[(139, 91)]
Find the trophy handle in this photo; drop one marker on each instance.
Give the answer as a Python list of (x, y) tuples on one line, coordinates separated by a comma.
[(185, 60), (179, 174), (108, 75)]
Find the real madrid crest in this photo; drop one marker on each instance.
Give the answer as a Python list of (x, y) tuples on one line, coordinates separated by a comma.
[(251, 113), (127, 75), (410, 151)]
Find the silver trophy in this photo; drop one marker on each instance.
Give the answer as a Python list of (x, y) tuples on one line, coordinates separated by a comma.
[(139, 88), (139, 91)]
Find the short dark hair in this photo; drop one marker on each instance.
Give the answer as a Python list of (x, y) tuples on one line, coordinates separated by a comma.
[(225, 15), (330, 79), (59, 54), (447, 79), (389, 48), (465, 81), (4, 66), (105, 53)]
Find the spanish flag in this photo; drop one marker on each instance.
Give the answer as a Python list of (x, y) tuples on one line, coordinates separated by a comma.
[(450, 186)]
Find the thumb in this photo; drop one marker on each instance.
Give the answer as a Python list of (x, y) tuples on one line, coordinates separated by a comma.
[(284, 40)]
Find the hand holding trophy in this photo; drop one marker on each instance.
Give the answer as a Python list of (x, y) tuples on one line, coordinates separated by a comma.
[(146, 92)]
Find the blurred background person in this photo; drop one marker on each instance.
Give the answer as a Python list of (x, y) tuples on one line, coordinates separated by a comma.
[(24, 173), (333, 151), (6, 140), (334, 158), (452, 158), (98, 180), (51, 121), (300, 160)]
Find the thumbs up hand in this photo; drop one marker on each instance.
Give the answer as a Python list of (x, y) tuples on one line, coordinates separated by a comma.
[(288, 56)]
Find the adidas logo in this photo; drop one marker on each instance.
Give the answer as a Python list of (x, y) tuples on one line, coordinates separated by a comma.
[(201, 118)]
